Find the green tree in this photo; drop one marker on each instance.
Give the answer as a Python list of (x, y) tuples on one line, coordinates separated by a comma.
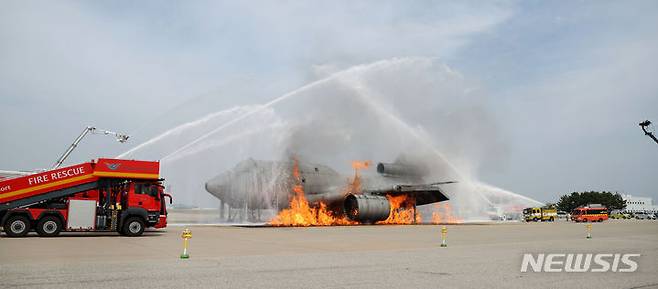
[(612, 201)]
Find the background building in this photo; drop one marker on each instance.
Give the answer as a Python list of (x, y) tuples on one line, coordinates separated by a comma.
[(639, 204)]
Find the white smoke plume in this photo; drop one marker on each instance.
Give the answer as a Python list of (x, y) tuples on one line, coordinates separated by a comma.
[(378, 111)]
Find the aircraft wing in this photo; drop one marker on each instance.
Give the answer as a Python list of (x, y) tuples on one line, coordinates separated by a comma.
[(424, 194)]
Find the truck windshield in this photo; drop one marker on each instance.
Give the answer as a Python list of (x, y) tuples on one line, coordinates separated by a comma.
[(154, 192), (147, 189)]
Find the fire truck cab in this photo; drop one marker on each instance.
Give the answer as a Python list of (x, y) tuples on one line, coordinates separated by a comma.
[(124, 196)]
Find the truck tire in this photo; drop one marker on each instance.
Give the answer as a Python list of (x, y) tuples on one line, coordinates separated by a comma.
[(49, 226), (133, 227), (17, 226)]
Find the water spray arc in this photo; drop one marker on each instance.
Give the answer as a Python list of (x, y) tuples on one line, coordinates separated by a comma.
[(179, 129), (259, 109), (344, 113)]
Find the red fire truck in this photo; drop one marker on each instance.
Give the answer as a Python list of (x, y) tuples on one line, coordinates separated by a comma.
[(124, 196)]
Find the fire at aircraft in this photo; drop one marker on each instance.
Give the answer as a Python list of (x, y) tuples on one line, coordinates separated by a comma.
[(306, 194)]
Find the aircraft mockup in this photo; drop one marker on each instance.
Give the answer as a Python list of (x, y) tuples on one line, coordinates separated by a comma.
[(259, 184)]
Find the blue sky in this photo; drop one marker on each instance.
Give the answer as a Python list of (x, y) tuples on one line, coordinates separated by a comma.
[(567, 81)]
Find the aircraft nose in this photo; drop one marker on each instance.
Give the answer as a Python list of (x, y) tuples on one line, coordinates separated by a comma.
[(216, 187)]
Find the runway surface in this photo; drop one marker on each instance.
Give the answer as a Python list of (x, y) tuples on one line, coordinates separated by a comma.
[(477, 256)]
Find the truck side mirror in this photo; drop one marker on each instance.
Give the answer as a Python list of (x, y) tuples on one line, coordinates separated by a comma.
[(171, 201)]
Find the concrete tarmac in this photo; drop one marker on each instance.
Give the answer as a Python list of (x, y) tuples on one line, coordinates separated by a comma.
[(477, 256)]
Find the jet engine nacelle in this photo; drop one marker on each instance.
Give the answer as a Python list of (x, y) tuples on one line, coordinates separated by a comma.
[(367, 208), (400, 170)]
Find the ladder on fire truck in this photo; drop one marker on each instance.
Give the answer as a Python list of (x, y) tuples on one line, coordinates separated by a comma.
[(122, 138)]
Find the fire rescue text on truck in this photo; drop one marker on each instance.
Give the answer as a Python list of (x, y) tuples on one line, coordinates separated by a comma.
[(124, 196)]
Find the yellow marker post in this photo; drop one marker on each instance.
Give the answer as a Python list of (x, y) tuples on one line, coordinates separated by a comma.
[(444, 235), (589, 231), (187, 235)]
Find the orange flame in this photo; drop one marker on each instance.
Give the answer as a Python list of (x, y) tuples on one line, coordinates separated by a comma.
[(436, 216), (360, 165), (444, 215), (402, 211), (301, 214)]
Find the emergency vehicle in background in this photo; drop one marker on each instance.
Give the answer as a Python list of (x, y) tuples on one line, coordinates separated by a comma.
[(539, 214), (125, 196), (590, 213)]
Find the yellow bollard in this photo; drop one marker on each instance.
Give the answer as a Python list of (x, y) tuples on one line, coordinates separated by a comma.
[(589, 231), (187, 235), (444, 234)]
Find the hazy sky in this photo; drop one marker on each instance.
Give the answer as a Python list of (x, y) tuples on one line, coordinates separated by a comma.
[(568, 81)]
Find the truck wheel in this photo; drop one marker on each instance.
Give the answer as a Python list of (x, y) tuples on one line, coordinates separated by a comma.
[(49, 226), (551, 219), (17, 226), (133, 227)]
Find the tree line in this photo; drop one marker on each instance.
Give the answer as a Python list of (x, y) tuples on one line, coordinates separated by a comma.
[(610, 200)]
